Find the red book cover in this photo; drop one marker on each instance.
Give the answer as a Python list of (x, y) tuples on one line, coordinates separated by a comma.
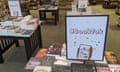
[(41, 53), (55, 48)]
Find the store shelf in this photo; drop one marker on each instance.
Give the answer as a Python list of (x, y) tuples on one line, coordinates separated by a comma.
[(92, 2), (25, 7), (109, 4), (117, 10), (4, 13), (33, 5)]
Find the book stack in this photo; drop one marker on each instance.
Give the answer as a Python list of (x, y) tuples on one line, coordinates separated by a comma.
[(42, 69), (60, 68), (54, 49), (47, 61), (114, 67), (31, 64), (41, 53), (76, 67), (101, 67), (111, 58), (112, 61), (40, 64)]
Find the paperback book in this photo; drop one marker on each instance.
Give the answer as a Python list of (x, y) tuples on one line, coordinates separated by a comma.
[(114, 67), (42, 69), (47, 61), (55, 48), (32, 63), (111, 58), (61, 68), (75, 67), (61, 60), (100, 67)]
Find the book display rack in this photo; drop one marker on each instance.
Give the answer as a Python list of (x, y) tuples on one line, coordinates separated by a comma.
[(109, 4), (33, 5), (4, 13), (92, 2), (25, 7), (118, 8)]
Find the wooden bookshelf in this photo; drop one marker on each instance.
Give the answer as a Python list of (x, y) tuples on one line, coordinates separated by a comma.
[(92, 2), (33, 4), (25, 7), (117, 11), (4, 13), (109, 4)]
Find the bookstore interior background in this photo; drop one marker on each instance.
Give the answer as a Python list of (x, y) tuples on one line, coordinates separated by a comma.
[(59, 35)]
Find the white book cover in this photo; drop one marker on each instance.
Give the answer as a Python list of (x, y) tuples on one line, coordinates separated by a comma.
[(114, 67)]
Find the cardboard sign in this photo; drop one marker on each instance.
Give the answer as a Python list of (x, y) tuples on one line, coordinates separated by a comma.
[(14, 7), (82, 3), (86, 36)]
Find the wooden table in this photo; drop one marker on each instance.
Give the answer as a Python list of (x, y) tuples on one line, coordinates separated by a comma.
[(31, 41), (53, 9)]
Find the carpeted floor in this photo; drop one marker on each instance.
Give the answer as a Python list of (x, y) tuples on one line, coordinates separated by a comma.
[(16, 58)]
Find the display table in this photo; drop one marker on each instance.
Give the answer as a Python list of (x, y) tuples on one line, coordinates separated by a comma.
[(31, 35), (53, 9), (58, 63)]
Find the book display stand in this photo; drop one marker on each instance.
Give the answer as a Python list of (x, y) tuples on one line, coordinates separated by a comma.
[(58, 63), (85, 44), (117, 10), (109, 4)]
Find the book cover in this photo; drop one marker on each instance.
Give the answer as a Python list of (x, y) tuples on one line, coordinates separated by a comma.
[(60, 60), (42, 69), (114, 67), (47, 61), (111, 58), (100, 67), (41, 53), (75, 67), (60, 68), (55, 48), (32, 63), (27, 32)]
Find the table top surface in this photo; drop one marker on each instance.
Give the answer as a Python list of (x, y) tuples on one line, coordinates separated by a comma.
[(48, 7), (20, 27)]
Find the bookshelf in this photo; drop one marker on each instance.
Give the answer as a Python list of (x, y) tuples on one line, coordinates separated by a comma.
[(24, 7), (92, 2), (33, 4), (4, 13), (118, 8), (109, 4)]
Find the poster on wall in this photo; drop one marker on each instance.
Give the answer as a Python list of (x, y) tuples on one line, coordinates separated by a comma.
[(14, 7), (86, 36)]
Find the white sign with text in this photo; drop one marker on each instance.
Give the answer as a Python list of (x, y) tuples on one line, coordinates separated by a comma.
[(14, 7), (86, 36)]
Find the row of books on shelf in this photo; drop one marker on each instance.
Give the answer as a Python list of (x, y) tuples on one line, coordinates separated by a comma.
[(53, 59)]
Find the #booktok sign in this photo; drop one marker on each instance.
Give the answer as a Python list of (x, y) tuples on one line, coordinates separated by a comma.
[(14, 7), (86, 36)]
